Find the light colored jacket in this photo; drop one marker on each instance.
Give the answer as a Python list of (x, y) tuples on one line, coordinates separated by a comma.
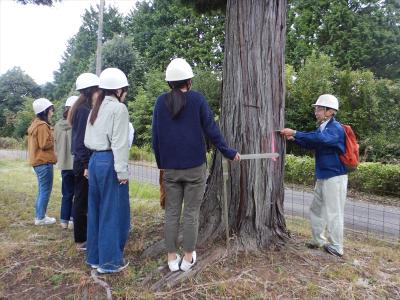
[(41, 143), (62, 137), (110, 132)]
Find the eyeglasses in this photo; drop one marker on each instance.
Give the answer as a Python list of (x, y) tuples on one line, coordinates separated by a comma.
[(319, 108)]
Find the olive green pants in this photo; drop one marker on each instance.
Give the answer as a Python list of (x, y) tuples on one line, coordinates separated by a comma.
[(186, 187)]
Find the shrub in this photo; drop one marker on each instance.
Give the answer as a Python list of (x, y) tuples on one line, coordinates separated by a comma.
[(299, 169), (11, 143), (376, 178), (143, 153)]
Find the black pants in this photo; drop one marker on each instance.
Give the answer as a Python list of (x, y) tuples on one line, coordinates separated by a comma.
[(80, 205)]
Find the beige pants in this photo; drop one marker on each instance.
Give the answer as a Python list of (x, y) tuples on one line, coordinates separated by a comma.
[(327, 211)]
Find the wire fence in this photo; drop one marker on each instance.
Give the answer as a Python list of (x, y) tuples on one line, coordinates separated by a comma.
[(368, 219)]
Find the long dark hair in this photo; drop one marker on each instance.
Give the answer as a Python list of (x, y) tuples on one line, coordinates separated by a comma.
[(176, 99), (65, 113), (99, 99), (85, 97), (44, 115)]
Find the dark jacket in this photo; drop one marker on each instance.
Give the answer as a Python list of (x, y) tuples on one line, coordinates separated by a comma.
[(78, 149), (328, 145), (180, 143)]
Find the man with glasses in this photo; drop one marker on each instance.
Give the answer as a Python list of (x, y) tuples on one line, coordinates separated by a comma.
[(327, 208)]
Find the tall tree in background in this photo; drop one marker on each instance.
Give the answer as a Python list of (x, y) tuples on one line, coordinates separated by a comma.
[(163, 29), (15, 88), (252, 108), (82, 47), (356, 34), (38, 2)]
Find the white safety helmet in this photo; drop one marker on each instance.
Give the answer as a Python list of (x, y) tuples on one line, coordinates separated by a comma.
[(178, 69), (70, 101), (86, 80), (113, 79), (40, 105), (327, 100)]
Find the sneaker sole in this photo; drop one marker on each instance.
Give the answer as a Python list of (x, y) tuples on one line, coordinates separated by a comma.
[(102, 271)]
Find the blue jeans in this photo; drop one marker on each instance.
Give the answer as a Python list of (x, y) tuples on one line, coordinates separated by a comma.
[(44, 175), (108, 214), (67, 190)]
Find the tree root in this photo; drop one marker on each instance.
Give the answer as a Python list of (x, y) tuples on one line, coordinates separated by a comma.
[(102, 284)]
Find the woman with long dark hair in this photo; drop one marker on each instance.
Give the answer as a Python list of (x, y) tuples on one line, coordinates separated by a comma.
[(42, 157), (182, 120), (87, 84), (107, 136)]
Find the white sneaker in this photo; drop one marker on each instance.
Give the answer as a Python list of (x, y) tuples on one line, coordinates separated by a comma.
[(186, 266), (71, 225), (105, 271), (174, 264), (45, 221)]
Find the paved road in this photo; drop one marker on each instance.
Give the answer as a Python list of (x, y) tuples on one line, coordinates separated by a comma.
[(383, 221)]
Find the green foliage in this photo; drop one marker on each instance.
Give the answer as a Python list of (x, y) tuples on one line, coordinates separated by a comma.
[(82, 47), (15, 88), (355, 34), (120, 52), (11, 143), (299, 169), (376, 178), (24, 118), (163, 29), (381, 148), (371, 106), (143, 153), (314, 79), (38, 2), (206, 5), (209, 83), (141, 109)]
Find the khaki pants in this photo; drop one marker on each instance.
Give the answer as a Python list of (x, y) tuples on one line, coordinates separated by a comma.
[(327, 211), (183, 186)]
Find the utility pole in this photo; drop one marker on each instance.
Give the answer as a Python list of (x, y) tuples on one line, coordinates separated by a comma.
[(99, 38)]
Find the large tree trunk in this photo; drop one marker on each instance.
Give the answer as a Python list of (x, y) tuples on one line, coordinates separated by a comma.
[(252, 109)]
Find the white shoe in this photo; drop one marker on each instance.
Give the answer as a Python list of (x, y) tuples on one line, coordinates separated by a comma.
[(186, 266), (105, 271), (174, 264), (71, 225), (45, 221)]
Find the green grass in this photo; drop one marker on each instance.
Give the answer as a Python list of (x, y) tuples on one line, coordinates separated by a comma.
[(40, 262)]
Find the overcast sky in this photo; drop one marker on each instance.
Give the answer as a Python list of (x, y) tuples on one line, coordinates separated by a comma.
[(35, 37)]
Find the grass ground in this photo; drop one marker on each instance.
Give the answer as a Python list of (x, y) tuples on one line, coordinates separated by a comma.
[(41, 262)]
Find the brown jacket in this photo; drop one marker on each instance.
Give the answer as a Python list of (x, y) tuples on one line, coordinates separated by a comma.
[(41, 143)]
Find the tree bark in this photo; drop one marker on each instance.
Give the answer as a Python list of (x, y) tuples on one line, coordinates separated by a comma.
[(252, 109)]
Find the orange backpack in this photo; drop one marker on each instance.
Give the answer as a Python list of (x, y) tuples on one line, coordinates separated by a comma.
[(350, 158)]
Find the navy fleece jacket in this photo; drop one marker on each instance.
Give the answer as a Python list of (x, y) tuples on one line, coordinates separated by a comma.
[(180, 143), (328, 145), (78, 148)]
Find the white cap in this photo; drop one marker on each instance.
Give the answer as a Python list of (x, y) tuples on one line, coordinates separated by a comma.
[(71, 100), (41, 104), (327, 100), (113, 79), (86, 80), (178, 69)]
